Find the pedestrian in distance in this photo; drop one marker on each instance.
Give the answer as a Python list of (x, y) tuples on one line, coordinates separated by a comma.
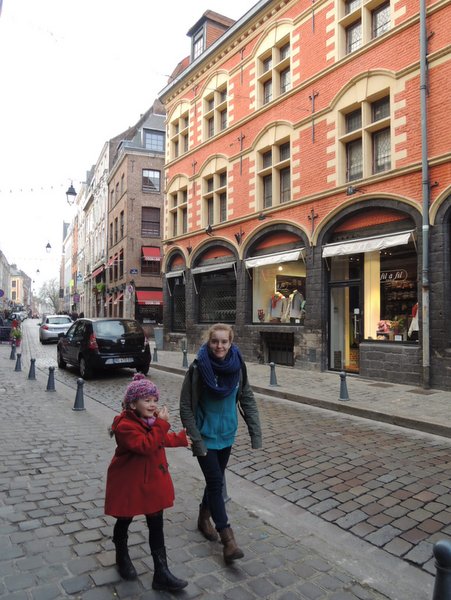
[(215, 384), (138, 479)]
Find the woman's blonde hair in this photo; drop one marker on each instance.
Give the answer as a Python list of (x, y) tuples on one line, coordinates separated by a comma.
[(218, 327)]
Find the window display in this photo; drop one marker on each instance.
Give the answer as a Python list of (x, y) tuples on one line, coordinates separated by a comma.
[(278, 293)]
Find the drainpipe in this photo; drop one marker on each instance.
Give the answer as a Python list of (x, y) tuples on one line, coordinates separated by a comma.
[(425, 193)]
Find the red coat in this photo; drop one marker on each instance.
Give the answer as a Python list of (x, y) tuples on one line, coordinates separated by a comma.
[(138, 479)]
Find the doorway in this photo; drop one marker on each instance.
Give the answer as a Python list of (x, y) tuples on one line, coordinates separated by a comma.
[(345, 327)]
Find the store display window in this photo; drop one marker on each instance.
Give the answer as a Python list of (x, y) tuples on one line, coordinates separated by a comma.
[(278, 288)]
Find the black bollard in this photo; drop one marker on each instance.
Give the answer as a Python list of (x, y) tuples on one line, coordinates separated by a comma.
[(272, 376), (51, 380), (79, 399), (32, 372), (12, 356), (185, 358), (18, 366), (155, 355), (343, 387), (442, 554)]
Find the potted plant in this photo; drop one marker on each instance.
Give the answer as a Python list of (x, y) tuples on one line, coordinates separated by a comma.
[(16, 336)]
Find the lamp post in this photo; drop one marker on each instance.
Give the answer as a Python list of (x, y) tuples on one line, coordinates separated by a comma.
[(48, 248), (71, 194)]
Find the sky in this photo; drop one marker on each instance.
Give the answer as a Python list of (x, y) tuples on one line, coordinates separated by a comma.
[(73, 74)]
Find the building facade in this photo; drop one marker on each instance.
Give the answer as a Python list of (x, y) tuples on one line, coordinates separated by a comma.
[(135, 206), (308, 188)]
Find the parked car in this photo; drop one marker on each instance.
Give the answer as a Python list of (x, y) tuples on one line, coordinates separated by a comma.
[(110, 343), (51, 326)]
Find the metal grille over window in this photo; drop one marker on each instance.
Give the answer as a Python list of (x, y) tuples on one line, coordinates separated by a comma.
[(217, 297)]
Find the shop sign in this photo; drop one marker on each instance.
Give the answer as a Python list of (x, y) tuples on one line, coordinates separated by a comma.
[(399, 275)]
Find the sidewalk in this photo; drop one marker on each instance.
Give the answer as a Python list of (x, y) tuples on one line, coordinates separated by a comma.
[(406, 406), (55, 541)]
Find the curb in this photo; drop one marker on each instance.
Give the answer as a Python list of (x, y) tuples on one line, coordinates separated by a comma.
[(349, 409)]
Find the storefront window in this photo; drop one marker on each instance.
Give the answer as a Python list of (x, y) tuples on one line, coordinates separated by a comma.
[(177, 303), (398, 296), (278, 291), (217, 296)]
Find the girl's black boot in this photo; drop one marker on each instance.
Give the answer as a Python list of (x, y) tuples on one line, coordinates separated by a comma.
[(163, 579), (123, 561)]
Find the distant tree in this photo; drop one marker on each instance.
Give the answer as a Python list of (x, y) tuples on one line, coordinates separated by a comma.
[(49, 294)]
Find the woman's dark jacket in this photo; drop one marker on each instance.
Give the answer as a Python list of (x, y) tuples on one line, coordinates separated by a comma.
[(189, 399)]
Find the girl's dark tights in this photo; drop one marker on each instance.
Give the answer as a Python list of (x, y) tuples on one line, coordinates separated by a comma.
[(154, 523)]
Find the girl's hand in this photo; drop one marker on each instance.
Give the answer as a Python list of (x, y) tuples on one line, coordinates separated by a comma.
[(189, 440), (164, 413)]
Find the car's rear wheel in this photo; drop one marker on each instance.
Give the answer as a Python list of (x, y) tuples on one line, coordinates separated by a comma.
[(144, 369), (59, 359), (85, 369)]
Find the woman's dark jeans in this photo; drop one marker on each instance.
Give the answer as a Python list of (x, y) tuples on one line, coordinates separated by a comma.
[(213, 466)]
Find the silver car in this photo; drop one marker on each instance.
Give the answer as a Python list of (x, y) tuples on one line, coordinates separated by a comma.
[(52, 326)]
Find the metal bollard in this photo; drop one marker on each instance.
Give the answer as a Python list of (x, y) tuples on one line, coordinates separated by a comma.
[(155, 355), (185, 359), (272, 376), (442, 554), (32, 372), (51, 380), (18, 366), (79, 399), (12, 356), (343, 387)]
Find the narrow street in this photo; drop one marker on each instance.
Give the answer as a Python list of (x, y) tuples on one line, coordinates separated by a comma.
[(385, 485)]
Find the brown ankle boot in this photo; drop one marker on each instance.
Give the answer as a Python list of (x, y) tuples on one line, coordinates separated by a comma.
[(204, 524), (231, 551)]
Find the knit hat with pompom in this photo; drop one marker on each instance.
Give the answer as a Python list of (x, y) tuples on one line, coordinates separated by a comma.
[(140, 387)]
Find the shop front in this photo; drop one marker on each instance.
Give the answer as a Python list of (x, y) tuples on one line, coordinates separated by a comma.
[(372, 315)]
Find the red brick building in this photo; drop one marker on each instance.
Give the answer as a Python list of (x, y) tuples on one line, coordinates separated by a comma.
[(307, 187)]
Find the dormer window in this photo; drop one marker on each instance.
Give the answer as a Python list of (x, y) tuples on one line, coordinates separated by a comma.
[(198, 43)]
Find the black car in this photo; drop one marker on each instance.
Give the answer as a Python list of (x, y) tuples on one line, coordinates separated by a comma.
[(95, 344)]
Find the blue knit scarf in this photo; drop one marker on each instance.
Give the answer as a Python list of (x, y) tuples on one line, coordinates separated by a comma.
[(220, 376)]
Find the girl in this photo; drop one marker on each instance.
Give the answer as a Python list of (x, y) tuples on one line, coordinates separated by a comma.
[(138, 480), (215, 382)]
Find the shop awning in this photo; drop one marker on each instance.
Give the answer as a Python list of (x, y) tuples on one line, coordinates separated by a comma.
[(170, 274), (97, 271), (369, 244), (214, 267), (149, 297), (274, 259), (151, 253)]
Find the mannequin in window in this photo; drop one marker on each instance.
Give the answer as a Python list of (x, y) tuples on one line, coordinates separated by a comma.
[(277, 306), (413, 329), (295, 308)]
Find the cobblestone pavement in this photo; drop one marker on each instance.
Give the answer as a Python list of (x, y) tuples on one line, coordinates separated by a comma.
[(352, 484)]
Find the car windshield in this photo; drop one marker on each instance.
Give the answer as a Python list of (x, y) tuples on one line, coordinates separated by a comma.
[(59, 320), (115, 329)]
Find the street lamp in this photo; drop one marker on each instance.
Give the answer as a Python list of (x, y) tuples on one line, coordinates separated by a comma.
[(71, 194), (48, 247)]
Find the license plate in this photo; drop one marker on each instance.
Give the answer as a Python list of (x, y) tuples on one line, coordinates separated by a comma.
[(117, 361)]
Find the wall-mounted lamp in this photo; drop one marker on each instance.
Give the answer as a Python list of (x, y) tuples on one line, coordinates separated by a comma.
[(209, 230), (261, 217), (189, 249), (351, 190), (48, 247), (239, 236), (71, 194)]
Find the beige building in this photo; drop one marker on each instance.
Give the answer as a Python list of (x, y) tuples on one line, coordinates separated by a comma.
[(135, 208)]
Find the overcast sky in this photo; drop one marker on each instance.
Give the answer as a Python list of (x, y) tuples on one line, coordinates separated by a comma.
[(73, 74)]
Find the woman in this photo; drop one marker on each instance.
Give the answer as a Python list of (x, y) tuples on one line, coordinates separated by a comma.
[(215, 382)]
